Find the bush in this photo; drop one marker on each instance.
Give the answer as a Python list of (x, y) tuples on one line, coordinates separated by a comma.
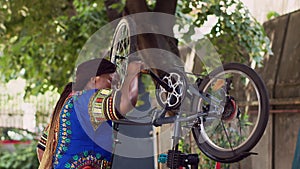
[(24, 157)]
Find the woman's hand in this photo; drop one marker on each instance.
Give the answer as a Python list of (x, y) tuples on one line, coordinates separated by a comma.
[(134, 68), (129, 89)]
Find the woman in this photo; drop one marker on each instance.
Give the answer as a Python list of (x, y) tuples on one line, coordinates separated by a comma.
[(80, 132)]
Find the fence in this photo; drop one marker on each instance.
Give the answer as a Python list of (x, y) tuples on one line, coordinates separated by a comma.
[(31, 113)]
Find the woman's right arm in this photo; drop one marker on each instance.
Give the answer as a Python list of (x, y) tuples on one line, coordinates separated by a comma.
[(129, 90)]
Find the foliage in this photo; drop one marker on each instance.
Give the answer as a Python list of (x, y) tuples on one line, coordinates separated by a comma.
[(24, 157), (235, 34), (41, 39), (272, 14)]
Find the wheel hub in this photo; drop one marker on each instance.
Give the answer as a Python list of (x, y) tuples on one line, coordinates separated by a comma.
[(230, 109)]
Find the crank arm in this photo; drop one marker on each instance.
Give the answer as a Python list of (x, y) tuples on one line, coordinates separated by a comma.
[(157, 79)]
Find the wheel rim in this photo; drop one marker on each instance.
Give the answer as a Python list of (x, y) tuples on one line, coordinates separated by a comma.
[(121, 48), (234, 133)]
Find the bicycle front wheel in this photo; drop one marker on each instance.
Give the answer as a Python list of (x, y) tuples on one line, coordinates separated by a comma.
[(229, 129), (123, 44)]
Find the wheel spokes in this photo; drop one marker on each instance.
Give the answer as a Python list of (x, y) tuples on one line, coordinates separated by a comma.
[(227, 136), (237, 123), (120, 51)]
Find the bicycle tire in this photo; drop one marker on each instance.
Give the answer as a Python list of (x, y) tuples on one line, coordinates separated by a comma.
[(206, 142), (123, 45)]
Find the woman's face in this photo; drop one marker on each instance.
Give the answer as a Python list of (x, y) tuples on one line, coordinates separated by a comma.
[(104, 81)]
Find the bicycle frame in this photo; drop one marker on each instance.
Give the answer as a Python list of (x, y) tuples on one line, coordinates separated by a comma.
[(159, 116)]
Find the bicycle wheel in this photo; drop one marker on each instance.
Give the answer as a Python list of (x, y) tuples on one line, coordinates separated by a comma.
[(123, 44), (228, 132)]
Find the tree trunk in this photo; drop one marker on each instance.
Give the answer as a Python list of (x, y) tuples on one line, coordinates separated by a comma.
[(149, 40), (112, 14), (134, 6), (168, 7)]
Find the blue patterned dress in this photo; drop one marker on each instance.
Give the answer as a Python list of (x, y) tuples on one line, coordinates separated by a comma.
[(85, 137)]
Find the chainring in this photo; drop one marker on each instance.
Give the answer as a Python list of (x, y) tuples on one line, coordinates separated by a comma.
[(171, 100)]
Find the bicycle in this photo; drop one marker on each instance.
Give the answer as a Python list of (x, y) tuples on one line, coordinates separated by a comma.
[(226, 123)]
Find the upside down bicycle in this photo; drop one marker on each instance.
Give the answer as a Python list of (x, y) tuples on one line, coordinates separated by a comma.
[(229, 106)]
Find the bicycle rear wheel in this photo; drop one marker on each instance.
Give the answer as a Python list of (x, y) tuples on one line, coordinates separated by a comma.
[(123, 44), (228, 133)]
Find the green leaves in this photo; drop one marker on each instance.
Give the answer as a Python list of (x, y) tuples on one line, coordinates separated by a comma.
[(272, 14), (237, 36), (41, 39), (119, 6), (23, 157)]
